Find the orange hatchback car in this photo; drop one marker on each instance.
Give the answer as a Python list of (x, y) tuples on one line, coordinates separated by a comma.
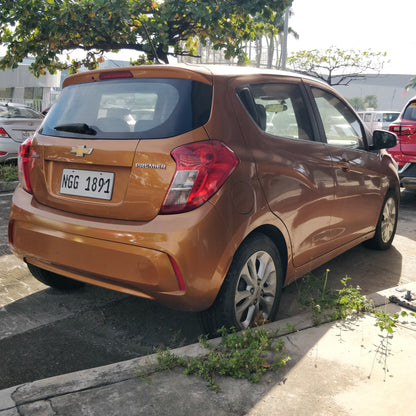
[(203, 188)]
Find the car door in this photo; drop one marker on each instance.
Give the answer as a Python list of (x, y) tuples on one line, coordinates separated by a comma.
[(357, 171), (294, 170)]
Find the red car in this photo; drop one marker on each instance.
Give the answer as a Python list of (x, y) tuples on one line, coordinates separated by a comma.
[(404, 153)]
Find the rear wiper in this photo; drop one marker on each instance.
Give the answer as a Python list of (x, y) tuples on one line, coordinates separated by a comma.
[(81, 128)]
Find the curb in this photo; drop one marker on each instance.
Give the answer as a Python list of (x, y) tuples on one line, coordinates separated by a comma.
[(8, 186)]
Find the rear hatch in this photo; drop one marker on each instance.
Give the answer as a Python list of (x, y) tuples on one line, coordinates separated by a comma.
[(105, 148)]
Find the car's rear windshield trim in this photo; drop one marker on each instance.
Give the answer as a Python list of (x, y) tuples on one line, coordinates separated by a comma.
[(139, 108)]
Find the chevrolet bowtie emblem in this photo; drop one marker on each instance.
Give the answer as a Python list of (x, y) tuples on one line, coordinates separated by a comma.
[(81, 151)]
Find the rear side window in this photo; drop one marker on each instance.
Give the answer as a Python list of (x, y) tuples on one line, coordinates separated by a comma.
[(279, 110), (410, 112), (143, 108), (389, 117)]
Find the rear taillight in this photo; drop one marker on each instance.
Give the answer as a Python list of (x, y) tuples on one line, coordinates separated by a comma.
[(25, 164), (201, 169), (3, 133), (403, 130)]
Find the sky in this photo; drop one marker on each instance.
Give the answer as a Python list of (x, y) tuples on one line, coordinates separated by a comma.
[(379, 25)]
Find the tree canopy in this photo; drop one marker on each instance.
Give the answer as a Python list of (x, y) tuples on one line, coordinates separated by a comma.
[(47, 29), (337, 66), (369, 101)]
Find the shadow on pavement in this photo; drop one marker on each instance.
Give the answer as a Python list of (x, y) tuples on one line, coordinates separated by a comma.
[(49, 333)]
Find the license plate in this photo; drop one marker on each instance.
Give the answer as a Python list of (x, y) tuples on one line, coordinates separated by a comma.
[(27, 133), (87, 183)]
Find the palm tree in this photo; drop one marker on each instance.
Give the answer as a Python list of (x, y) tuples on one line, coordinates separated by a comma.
[(274, 41), (411, 84)]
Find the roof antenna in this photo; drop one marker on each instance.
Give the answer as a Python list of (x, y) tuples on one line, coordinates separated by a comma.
[(151, 44)]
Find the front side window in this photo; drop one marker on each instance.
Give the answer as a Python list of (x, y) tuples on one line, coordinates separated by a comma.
[(341, 125), (280, 110), (139, 108)]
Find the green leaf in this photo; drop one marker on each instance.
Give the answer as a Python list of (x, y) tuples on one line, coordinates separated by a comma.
[(48, 29)]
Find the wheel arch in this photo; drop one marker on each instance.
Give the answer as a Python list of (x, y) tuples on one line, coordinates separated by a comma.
[(396, 191), (279, 241)]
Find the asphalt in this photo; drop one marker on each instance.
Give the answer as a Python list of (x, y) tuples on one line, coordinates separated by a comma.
[(347, 367), (8, 186)]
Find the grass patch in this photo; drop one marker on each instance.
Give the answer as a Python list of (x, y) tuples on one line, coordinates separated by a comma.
[(329, 304), (241, 355), (250, 353), (8, 172)]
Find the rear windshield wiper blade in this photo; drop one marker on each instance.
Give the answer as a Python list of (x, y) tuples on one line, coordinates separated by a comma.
[(81, 128)]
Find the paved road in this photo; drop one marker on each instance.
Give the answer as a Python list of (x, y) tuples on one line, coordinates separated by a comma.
[(5, 200), (44, 332)]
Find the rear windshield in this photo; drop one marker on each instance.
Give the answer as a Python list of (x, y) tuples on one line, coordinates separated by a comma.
[(410, 112), (387, 117), (10, 111), (134, 108)]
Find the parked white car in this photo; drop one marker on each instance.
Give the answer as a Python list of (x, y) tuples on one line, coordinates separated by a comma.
[(17, 123), (378, 120)]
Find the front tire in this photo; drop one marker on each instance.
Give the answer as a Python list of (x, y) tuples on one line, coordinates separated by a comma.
[(251, 290), (387, 224), (54, 280)]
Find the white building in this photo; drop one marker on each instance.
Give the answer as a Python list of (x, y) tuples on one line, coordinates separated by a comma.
[(21, 86), (390, 90)]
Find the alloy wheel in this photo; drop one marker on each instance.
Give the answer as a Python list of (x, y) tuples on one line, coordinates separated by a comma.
[(256, 289), (388, 220)]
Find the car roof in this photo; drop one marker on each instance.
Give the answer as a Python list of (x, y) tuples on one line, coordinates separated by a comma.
[(192, 71), (378, 111)]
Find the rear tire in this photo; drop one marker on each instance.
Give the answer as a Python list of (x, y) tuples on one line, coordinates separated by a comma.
[(387, 224), (251, 290), (54, 280)]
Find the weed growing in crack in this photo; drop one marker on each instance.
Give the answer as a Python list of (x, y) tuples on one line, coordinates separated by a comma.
[(290, 328), (329, 304), (247, 354)]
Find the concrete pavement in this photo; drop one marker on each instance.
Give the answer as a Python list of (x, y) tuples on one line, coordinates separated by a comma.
[(8, 186), (339, 368)]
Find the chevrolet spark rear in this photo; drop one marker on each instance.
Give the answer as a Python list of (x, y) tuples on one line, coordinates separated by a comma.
[(112, 182), (203, 189)]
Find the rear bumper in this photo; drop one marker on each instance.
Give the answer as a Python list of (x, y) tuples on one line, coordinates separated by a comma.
[(130, 257), (407, 176)]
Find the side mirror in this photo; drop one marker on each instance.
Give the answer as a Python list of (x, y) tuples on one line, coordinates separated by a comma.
[(383, 139)]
